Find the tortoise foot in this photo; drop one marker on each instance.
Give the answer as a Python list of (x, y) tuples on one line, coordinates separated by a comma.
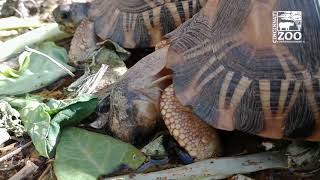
[(198, 138)]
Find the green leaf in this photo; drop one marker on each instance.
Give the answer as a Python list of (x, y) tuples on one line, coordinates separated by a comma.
[(57, 105), (84, 155), (23, 61), (72, 115), (43, 121), (35, 71), (36, 120), (112, 54)]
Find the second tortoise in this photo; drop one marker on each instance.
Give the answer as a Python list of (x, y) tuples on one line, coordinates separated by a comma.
[(130, 23)]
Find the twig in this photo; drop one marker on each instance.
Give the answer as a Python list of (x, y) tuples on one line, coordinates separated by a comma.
[(27, 170), (93, 81), (219, 168), (18, 150), (51, 59), (7, 148), (45, 172), (12, 165)]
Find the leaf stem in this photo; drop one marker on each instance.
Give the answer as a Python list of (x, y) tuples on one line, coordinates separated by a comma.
[(51, 59)]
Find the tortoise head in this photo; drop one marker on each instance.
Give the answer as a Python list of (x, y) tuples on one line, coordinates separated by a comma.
[(69, 16), (132, 114), (134, 111)]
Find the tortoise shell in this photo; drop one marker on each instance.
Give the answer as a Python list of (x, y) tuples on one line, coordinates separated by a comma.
[(140, 23), (228, 69)]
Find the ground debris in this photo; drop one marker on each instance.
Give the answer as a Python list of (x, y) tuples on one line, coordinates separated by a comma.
[(26, 171)]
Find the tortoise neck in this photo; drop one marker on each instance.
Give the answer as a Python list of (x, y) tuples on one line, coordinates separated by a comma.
[(258, 27)]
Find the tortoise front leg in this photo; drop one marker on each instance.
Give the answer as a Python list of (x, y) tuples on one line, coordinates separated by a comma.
[(84, 43), (198, 138)]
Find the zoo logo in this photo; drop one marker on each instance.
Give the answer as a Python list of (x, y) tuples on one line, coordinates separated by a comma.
[(287, 26)]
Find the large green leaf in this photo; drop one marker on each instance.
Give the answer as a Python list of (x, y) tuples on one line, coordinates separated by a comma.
[(35, 71), (84, 155), (43, 121)]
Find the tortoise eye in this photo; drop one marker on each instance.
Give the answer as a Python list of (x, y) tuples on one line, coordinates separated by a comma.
[(65, 14)]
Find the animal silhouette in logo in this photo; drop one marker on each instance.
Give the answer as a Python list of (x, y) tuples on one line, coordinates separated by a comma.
[(285, 25), (290, 20)]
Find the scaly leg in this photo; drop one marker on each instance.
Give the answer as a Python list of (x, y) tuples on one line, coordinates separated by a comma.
[(198, 138)]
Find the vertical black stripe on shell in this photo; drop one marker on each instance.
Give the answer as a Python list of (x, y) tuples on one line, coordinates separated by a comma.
[(212, 67), (132, 20), (268, 67), (190, 6), (198, 6), (206, 105), (232, 87), (301, 120), (180, 80), (128, 21), (275, 88), (166, 20), (118, 35), (289, 95), (151, 18), (249, 116), (298, 74), (181, 11), (316, 88), (195, 34), (259, 65), (231, 17), (239, 59), (141, 34)]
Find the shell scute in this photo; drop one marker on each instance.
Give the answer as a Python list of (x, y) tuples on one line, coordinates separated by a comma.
[(226, 67), (142, 23)]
